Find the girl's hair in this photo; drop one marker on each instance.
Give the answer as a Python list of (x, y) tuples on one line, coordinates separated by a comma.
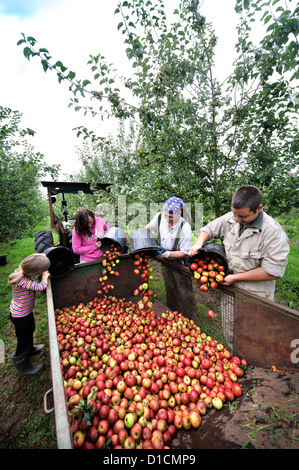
[(32, 266), (82, 221)]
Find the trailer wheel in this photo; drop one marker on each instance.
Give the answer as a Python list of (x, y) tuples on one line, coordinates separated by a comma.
[(43, 240)]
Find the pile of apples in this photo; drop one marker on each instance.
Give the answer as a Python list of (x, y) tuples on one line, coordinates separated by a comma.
[(133, 379), (207, 271)]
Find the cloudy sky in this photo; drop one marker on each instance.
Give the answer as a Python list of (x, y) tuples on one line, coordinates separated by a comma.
[(71, 30)]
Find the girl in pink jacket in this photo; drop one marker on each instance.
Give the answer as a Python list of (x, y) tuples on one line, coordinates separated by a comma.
[(87, 231)]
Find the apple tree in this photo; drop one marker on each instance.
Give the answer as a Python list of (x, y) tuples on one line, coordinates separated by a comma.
[(195, 137), (21, 204)]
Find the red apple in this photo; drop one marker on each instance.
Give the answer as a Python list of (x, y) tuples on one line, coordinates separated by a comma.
[(103, 427)]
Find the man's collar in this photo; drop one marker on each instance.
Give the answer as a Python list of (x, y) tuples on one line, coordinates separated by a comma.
[(258, 222)]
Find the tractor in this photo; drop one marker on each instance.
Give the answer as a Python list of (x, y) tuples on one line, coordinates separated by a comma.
[(44, 239)]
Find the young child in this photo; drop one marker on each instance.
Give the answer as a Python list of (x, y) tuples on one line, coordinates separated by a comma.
[(24, 286)]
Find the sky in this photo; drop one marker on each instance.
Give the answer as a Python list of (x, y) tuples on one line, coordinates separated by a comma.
[(71, 30)]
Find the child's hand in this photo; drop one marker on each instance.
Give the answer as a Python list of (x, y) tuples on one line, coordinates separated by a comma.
[(45, 276)]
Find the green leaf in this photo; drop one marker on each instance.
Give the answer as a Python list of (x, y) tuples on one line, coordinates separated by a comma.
[(267, 19), (45, 65), (27, 52), (31, 40), (71, 75)]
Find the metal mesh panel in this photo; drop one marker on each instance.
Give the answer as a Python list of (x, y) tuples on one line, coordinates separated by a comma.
[(176, 288)]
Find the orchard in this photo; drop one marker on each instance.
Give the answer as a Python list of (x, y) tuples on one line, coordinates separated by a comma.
[(134, 379)]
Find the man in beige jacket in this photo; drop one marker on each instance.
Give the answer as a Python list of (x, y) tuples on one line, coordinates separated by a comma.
[(256, 246)]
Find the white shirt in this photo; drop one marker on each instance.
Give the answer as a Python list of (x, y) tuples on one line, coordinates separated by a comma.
[(168, 235)]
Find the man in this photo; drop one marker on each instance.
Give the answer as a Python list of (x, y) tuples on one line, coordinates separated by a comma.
[(256, 246)]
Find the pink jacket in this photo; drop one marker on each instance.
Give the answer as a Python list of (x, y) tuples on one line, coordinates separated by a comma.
[(85, 246)]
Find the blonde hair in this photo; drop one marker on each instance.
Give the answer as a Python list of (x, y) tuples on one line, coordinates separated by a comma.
[(32, 266)]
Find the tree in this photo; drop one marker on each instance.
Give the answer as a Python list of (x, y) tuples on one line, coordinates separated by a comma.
[(21, 202), (199, 139)]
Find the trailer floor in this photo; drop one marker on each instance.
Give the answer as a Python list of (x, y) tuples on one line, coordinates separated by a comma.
[(265, 417)]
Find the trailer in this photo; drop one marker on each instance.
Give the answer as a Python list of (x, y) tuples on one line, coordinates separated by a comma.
[(265, 333)]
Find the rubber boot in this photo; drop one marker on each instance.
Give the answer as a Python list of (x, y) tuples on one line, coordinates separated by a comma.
[(24, 366), (33, 350)]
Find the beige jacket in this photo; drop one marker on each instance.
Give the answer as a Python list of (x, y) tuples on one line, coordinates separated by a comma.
[(263, 244)]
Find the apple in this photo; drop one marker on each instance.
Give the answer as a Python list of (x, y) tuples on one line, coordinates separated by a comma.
[(92, 434), (129, 443), (162, 425), (103, 427), (193, 266), (237, 389), (186, 421), (136, 431), (118, 425), (74, 400), (195, 418), (211, 314), (129, 420), (122, 435), (112, 416), (78, 439), (217, 403), (178, 424), (100, 442)]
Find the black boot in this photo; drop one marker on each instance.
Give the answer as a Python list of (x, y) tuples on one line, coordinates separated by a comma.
[(33, 350), (24, 366)]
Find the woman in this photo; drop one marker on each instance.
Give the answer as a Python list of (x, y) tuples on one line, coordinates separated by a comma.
[(174, 238), (174, 232), (86, 234)]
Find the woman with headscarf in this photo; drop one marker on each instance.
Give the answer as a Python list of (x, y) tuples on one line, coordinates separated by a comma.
[(174, 232), (174, 238)]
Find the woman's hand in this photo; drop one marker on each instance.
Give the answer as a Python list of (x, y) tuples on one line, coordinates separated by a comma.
[(98, 244), (194, 250)]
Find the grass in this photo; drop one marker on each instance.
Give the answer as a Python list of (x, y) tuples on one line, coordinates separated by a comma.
[(281, 423), (287, 288)]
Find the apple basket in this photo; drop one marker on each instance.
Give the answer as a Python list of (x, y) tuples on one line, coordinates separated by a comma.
[(114, 235), (62, 260), (142, 241), (209, 266)]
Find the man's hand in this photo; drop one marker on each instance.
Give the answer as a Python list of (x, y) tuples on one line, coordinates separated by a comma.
[(229, 280)]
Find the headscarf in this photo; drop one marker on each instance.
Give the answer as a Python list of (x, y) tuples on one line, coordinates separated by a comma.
[(173, 205)]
